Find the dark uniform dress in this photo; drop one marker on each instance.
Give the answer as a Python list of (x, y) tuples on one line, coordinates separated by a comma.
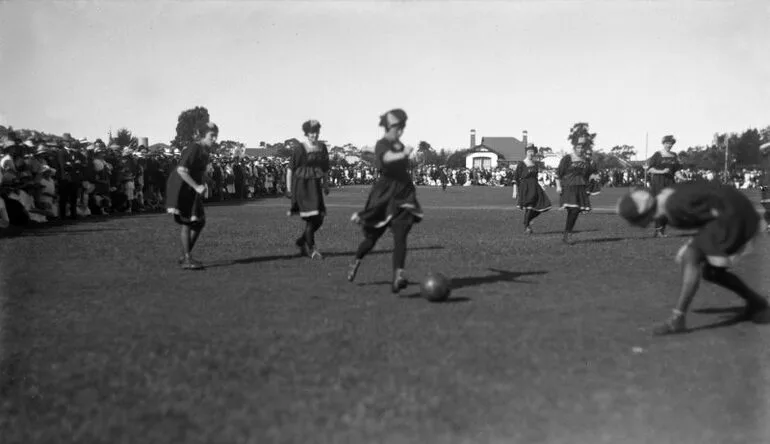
[(726, 219), (181, 200), (764, 187), (308, 170), (660, 181), (393, 196), (574, 176), (530, 194), (594, 185)]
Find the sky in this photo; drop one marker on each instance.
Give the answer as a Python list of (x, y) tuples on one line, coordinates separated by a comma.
[(634, 70)]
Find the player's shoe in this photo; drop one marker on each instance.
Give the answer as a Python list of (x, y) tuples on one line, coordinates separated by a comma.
[(528, 230), (757, 313), (191, 264), (300, 243), (399, 282), (316, 255), (674, 325), (353, 270)]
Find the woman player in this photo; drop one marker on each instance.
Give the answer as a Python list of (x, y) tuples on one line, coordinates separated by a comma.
[(662, 168), (572, 177), (727, 225), (185, 189), (527, 190), (392, 200), (594, 186), (307, 181)]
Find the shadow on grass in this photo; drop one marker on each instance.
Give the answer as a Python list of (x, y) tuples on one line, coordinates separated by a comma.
[(283, 257), (499, 276), (724, 322), (618, 239), (44, 233), (536, 233), (720, 310)]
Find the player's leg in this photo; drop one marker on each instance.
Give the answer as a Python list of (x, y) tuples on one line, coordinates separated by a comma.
[(692, 262), (756, 304), (312, 225), (572, 217), (371, 236), (400, 230)]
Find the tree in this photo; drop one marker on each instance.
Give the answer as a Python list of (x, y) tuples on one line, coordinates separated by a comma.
[(746, 149), (579, 130), (457, 159), (625, 152), (230, 147), (607, 161), (337, 152), (124, 138), (426, 155), (186, 123)]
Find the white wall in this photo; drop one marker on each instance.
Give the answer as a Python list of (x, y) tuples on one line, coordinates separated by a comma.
[(480, 155)]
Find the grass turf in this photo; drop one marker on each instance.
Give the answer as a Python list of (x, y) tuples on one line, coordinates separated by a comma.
[(106, 340)]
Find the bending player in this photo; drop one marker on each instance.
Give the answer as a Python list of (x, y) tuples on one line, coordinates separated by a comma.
[(727, 225)]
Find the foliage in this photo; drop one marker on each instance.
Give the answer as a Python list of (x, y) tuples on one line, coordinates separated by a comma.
[(579, 130), (186, 123), (624, 152), (227, 147), (124, 138)]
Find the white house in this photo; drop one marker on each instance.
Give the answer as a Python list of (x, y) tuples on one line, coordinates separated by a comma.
[(481, 157)]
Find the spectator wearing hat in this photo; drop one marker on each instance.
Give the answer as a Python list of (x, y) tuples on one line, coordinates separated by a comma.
[(101, 174), (572, 177), (70, 174), (662, 167), (306, 184), (392, 201), (125, 174), (46, 200), (186, 189)]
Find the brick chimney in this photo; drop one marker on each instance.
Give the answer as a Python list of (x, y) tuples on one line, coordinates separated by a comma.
[(473, 138), (524, 139)]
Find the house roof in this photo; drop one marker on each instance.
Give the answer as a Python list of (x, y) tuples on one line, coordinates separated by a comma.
[(483, 148), (158, 147), (510, 148), (261, 152)]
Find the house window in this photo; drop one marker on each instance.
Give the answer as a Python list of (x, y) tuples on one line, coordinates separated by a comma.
[(482, 162)]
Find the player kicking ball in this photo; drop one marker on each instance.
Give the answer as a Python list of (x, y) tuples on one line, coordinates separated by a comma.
[(727, 225)]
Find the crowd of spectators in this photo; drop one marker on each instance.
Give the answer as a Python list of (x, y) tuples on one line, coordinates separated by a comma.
[(55, 178), (44, 179)]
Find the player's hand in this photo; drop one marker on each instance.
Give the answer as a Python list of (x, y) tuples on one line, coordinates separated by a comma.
[(288, 194), (558, 191), (515, 195), (200, 189), (408, 150)]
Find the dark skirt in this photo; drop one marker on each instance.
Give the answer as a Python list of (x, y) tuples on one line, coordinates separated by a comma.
[(594, 187), (307, 198), (658, 182), (531, 196), (575, 196), (182, 201), (389, 200), (725, 240)]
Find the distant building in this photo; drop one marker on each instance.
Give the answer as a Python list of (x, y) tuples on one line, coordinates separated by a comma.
[(495, 151), (482, 157)]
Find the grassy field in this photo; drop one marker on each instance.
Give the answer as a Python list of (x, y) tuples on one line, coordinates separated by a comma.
[(106, 340)]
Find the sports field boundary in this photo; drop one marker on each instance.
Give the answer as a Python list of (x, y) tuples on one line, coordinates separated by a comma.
[(599, 210)]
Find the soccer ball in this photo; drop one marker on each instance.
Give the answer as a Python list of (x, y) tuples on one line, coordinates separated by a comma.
[(435, 287)]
